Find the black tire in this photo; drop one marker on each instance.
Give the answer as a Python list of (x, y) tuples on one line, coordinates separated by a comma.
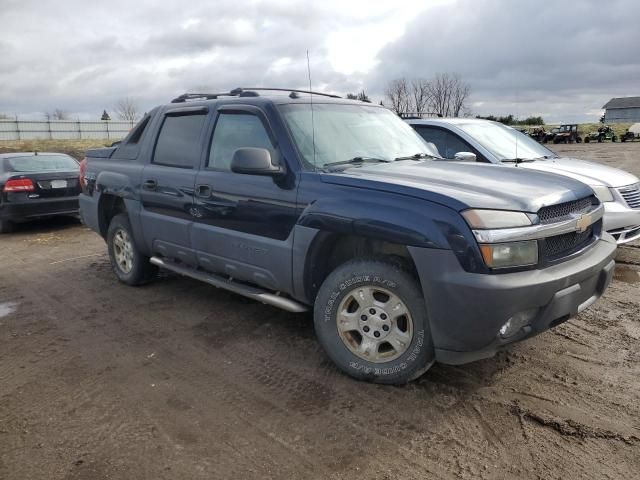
[(578, 140), (413, 360), (600, 138), (586, 140), (6, 226), (141, 271)]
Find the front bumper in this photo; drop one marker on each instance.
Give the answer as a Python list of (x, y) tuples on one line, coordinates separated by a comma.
[(38, 208), (466, 310), (621, 221)]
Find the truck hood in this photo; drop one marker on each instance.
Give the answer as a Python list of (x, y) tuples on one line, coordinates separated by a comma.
[(465, 185), (591, 173)]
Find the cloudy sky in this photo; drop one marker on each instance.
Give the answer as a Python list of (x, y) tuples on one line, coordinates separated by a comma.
[(559, 59)]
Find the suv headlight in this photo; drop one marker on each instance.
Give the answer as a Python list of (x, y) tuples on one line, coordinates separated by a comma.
[(602, 192), (508, 254), (513, 254), (483, 219)]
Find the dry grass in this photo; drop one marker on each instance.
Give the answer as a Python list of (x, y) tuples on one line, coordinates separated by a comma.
[(75, 148)]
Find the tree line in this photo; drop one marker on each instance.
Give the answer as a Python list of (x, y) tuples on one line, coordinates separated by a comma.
[(511, 120), (125, 109)]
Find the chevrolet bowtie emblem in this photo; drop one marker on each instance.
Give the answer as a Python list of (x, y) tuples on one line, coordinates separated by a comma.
[(583, 222)]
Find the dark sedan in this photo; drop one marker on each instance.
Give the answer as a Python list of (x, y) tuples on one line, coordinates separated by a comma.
[(37, 185)]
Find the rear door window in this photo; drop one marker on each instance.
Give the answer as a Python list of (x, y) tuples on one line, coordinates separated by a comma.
[(179, 143)]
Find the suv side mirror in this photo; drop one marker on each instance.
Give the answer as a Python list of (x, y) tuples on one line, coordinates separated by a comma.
[(254, 161), (465, 157)]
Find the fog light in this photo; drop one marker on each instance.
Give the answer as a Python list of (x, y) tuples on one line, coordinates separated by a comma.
[(515, 323)]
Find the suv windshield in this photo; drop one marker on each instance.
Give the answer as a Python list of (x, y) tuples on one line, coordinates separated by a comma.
[(347, 132), (41, 163), (504, 142)]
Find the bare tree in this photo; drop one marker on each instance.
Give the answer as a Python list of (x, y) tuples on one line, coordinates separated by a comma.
[(397, 92), (420, 96), (127, 109), (57, 114), (448, 94)]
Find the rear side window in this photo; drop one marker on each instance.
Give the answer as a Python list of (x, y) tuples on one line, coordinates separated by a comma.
[(139, 129), (40, 163), (234, 131), (179, 141)]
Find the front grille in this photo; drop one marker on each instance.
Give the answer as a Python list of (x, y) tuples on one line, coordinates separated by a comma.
[(563, 211), (565, 244), (631, 195), (559, 246)]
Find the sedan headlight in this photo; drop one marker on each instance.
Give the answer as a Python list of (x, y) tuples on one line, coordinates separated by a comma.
[(602, 192), (514, 254), (484, 219)]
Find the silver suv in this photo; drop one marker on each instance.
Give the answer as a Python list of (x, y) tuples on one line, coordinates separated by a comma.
[(492, 142)]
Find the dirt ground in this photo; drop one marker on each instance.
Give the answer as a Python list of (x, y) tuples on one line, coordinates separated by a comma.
[(178, 380)]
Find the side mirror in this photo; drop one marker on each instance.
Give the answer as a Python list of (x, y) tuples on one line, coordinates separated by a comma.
[(254, 161), (465, 157)]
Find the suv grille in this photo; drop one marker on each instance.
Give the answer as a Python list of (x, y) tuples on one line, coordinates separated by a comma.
[(563, 211), (558, 246), (561, 245), (631, 195)]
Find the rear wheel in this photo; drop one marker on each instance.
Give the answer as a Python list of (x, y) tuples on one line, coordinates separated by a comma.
[(586, 140), (370, 318), (6, 226), (129, 264)]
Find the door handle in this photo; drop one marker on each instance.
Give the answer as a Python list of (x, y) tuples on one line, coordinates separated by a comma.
[(150, 184), (203, 191)]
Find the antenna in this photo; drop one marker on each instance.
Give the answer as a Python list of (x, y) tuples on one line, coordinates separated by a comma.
[(313, 126), (517, 131)]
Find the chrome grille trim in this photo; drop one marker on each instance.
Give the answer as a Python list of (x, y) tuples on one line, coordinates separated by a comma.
[(631, 195)]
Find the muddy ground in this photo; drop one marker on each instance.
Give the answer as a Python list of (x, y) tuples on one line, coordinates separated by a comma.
[(178, 380)]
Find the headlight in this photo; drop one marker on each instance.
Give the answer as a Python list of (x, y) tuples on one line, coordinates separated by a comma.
[(603, 193), (514, 254), (495, 219)]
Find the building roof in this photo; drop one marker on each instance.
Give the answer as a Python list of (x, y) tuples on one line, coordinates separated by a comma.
[(623, 102)]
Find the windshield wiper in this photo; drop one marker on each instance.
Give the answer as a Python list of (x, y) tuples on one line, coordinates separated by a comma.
[(517, 160), (417, 156), (357, 161)]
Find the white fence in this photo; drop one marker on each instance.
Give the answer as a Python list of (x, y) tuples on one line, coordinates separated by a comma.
[(62, 129)]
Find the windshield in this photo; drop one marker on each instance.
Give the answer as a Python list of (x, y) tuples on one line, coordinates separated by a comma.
[(346, 132), (505, 142), (41, 163)]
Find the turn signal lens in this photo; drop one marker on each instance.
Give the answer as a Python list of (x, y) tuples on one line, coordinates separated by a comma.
[(514, 254), (484, 219), (19, 185)]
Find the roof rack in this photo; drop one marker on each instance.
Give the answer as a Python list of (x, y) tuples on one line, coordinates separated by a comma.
[(246, 92)]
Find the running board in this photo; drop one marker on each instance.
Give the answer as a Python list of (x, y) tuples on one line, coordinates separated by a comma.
[(255, 293)]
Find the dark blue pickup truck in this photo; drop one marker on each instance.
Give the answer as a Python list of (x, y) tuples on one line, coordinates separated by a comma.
[(314, 202)]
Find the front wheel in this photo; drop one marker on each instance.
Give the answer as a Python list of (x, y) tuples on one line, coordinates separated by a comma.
[(370, 317), (129, 264)]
